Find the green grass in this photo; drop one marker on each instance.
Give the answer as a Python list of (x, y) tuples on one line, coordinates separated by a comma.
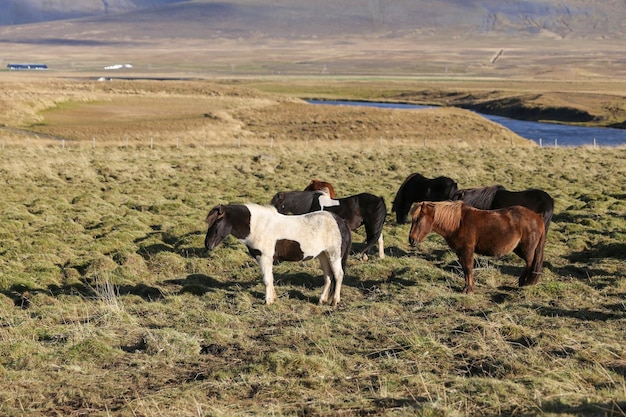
[(109, 306)]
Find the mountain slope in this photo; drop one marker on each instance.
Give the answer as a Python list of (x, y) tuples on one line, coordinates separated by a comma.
[(301, 18), (16, 12)]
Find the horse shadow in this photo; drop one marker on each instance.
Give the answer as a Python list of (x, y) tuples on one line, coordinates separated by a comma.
[(306, 281), (86, 288), (559, 406), (397, 276), (601, 250), (172, 244), (200, 284), (584, 314), (595, 277), (396, 252), (434, 256)]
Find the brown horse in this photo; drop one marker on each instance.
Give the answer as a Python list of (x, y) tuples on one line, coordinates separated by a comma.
[(317, 185), (487, 232)]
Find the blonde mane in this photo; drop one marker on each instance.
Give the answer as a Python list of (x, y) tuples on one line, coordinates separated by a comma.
[(447, 215)]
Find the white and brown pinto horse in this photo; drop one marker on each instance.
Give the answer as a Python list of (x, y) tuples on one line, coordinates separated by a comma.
[(271, 236), (486, 232)]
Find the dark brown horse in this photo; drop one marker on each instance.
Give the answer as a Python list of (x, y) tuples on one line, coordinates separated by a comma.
[(468, 230), (361, 209), (417, 187), (317, 185), (496, 196)]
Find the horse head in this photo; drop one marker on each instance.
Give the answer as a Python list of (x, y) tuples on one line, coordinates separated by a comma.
[(458, 195), (422, 216), (278, 201), (218, 229)]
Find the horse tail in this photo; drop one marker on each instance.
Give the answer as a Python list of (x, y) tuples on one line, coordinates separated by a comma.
[(548, 212), (537, 264)]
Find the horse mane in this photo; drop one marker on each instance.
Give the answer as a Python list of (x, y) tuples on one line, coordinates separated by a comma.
[(480, 197), (410, 177), (400, 194), (323, 186), (446, 214), (268, 209)]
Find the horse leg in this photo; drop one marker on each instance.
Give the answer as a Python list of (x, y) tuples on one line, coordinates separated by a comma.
[(338, 274), (527, 256), (525, 277), (265, 263), (467, 263), (381, 249), (531, 251), (534, 271), (325, 265)]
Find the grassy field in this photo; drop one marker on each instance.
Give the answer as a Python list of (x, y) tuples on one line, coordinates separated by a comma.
[(110, 307)]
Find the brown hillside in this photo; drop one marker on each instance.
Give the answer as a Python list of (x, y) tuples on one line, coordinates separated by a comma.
[(200, 111)]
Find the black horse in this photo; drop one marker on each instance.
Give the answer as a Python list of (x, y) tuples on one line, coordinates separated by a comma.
[(496, 196), (417, 187), (360, 209)]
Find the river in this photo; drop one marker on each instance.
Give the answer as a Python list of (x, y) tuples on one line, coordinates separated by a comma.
[(545, 134)]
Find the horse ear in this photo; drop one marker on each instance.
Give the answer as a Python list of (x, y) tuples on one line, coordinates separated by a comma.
[(216, 212)]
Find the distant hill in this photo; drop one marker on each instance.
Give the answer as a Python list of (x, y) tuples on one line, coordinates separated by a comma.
[(18, 12), (572, 19)]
